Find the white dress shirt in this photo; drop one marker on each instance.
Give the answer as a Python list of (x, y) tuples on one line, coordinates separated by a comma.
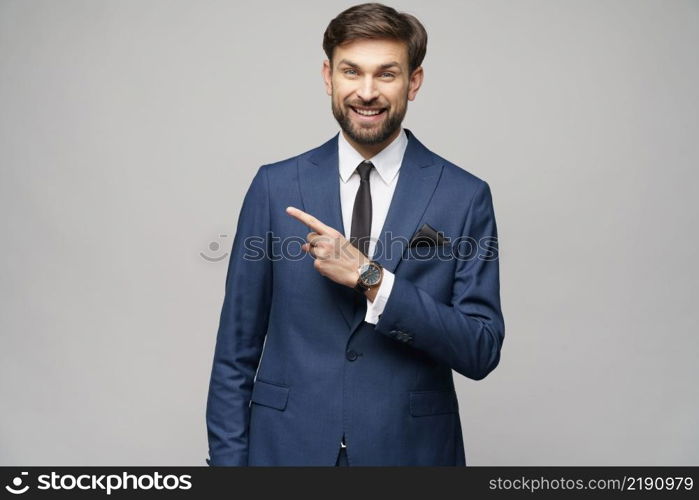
[(382, 181)]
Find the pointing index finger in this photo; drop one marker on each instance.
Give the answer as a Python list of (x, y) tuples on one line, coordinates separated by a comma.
[(309, 220)]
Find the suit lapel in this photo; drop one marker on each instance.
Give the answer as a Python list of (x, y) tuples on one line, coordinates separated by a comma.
[(319, 180), (417, 180)]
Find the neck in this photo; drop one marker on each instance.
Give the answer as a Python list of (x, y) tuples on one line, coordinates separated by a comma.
[(370, 150)]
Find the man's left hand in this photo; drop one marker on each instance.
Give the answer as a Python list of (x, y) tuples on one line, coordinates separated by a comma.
[(335, 257)]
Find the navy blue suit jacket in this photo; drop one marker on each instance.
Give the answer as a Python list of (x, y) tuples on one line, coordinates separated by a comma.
[(325, 372)]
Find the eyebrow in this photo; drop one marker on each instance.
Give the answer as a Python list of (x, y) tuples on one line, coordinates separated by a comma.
[(383, 66)]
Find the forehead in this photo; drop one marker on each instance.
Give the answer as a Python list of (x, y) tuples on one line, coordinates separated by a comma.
[(370, 54)]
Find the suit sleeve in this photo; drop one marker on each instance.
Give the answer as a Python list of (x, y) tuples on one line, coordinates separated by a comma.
[(468, 333), (242, 329)]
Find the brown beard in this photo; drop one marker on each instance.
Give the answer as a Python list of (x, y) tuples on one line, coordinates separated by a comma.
[(388, 127)]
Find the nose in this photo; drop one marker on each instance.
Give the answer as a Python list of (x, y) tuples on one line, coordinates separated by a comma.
[(367, 90)]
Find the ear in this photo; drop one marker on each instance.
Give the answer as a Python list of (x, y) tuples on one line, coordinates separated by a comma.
[(415, 82), (326, 71)]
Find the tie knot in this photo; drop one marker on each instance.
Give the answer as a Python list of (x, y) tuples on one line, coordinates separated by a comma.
[(364, 169)]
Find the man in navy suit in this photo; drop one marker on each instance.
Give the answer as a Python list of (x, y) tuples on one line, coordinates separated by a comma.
[(342, 352)]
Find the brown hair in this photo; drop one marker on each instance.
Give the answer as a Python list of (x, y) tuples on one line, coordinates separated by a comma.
[(375, 21)]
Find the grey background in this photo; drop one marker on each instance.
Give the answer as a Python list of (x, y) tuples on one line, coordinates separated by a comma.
[(130, 131)]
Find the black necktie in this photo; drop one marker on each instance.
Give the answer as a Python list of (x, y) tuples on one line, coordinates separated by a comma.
[(361, 215)]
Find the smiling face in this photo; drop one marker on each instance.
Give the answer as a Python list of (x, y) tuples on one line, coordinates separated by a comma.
[(370, 89)]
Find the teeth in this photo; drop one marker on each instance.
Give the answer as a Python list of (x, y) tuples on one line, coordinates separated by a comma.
[(367, 113)]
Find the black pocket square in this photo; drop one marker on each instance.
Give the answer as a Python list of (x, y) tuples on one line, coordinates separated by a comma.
[(427, 235)]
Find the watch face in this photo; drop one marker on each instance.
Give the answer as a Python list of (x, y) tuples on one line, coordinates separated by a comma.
[(371, 275)]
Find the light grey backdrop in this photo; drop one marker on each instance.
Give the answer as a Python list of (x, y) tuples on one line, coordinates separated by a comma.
[(130, 131)]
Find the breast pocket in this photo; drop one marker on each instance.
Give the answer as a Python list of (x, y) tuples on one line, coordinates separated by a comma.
[(429, 252), (431, 268)]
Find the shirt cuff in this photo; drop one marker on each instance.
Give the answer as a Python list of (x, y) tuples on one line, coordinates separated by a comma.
[(374, 309)]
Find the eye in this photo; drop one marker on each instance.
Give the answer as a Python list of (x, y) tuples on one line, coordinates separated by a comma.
[(389, 75), (345, 71)]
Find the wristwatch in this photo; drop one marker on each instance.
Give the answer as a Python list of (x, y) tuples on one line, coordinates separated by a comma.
[(370, 276)]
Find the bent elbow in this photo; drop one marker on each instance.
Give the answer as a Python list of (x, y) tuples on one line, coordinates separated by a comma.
[(485, 356), (484, 370)]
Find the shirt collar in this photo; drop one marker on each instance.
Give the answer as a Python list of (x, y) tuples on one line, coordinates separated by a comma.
[(387, 162)]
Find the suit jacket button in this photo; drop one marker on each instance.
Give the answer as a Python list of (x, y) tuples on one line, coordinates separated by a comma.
[(351, 355)]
